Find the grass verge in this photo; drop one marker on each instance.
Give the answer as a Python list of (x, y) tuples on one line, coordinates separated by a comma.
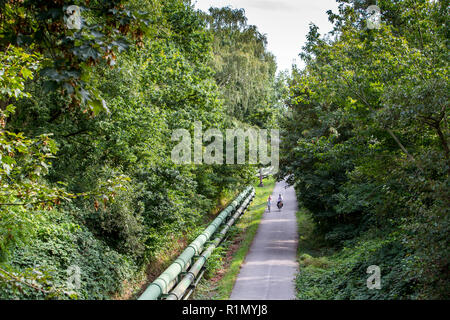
[(309, 243), (312, 256), (219, 282)]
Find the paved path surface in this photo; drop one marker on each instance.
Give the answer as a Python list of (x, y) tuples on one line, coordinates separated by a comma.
[(269, 269)]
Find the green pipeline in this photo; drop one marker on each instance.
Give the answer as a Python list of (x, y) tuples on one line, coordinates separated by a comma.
[(165, 282), (179, 291)]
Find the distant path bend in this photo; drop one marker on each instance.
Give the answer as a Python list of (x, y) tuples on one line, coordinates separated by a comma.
[(270, 267)]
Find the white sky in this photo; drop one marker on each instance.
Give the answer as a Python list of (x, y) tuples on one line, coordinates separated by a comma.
[(285, 22)]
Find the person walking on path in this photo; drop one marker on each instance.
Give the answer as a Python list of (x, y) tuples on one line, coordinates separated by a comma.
[(269, 202)]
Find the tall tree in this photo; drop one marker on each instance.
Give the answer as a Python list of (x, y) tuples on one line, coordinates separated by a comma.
[(244, 68)]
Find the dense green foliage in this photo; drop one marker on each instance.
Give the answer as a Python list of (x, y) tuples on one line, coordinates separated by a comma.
[(366, 144), (87, 117)]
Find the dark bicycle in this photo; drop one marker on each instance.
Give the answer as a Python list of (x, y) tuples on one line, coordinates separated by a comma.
[(280, 205)]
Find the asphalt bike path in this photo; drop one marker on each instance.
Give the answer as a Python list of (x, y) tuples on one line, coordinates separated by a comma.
[(270, 267)]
